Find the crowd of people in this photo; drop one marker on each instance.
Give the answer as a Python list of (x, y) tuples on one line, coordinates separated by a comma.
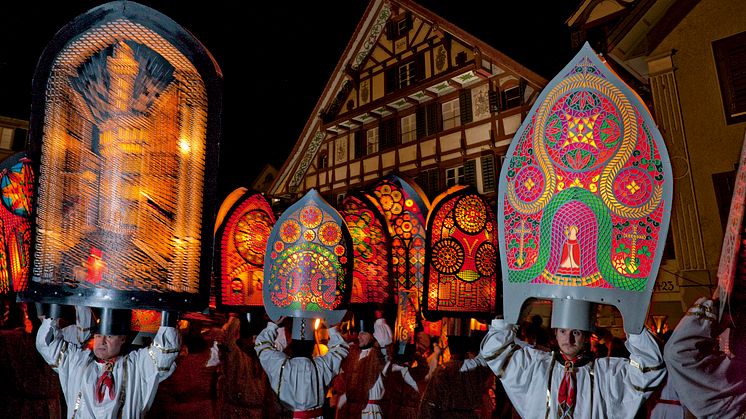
[(255, 369)]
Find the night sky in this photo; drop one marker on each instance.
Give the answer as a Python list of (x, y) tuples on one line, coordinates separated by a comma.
[(276, 57)]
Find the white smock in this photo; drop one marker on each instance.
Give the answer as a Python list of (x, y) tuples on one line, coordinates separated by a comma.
[(606, 388)]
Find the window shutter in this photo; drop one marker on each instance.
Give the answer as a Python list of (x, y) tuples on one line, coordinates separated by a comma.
[(420, 64), (382, 135), (434, 119), (421, 122), (387, 133), (470, 172), (488, 174), (464, 103), (390, 78), (429, 181), (434, 183), (360, 149), (391, 30), (494, 99)]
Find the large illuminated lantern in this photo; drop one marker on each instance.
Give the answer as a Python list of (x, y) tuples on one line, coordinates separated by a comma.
[(241, 240), (124, 132), (308, 266), (404, 207), (462, 271), (371, 243), (584, 200), (16, 192)]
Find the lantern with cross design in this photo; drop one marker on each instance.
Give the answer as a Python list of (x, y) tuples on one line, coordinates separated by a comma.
[(585, 198)]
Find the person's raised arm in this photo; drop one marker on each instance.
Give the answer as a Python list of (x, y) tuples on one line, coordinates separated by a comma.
[(159, 358), (709, 383), (497, 345), (332, 360), (271, 359), (646, 370), (80, 332), (51, 341)]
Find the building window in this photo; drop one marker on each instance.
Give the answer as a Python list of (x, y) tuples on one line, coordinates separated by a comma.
[(404, 75), (428, 120), (429, 181), (408, 128), (454, 176), (387, 133), (481, 173), (451, 114), (323, 160), (6, 138), (730, 60), (398, 28), (511, 97), (372, 136), (360, 147), (407, 74), (19, 140)]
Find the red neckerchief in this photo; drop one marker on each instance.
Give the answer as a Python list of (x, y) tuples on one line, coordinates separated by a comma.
[(567, 392), (105, 380)]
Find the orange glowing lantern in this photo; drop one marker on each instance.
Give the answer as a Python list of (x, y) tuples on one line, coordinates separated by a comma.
[(245, 222), (124, 132)]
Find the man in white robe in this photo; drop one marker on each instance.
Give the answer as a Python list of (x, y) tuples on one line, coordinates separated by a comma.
[(300, 382), (103, 383), (383, 335), (709, 383), (603, 388)]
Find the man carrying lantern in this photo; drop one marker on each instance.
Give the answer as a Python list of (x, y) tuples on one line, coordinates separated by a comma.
[(108, 381)]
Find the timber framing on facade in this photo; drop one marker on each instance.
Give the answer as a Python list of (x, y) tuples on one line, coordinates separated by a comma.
[(411, 94)]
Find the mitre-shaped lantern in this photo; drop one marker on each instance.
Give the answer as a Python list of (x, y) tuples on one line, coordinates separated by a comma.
[(584, 200), (308, 265), (124, 131)]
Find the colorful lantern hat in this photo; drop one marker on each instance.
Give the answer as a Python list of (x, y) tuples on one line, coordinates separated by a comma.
[(239, 255), (584, 200), (371, 243), (461, 275), (308, 265), (16, 192), (124, 134)]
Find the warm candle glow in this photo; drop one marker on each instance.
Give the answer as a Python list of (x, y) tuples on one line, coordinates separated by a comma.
[(184, 146)]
